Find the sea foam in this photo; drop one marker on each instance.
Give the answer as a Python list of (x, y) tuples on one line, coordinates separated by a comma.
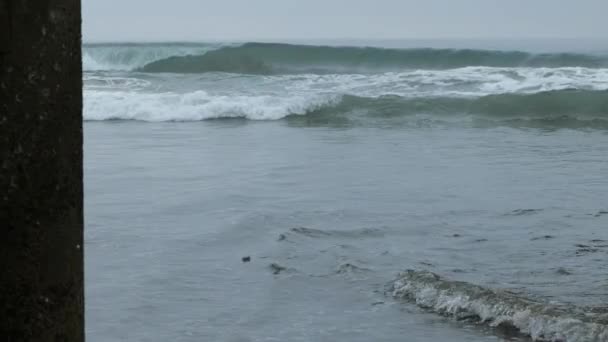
[(196, 106), (541, 321)]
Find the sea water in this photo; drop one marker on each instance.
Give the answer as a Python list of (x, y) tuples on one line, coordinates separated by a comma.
[(337, 168)]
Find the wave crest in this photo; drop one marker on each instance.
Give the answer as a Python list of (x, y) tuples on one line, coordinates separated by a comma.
[(554, 109), (272, 58), (557, 103), (541, 321), (128, 57), (196, 106)]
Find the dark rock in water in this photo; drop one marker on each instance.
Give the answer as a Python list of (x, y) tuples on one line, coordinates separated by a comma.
[(563, 271), (246, 259), (282, 237), (456, 235), (276, 268)]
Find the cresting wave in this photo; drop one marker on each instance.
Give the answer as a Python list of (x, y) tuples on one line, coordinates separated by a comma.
[(269, 58), (563, 108), (272, 58), (577, 103), (197, 106), (541, 321), (129, 57)]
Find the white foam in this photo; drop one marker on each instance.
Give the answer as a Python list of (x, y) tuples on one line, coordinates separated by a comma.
[(118, 95), (110, 82), (196, 106), (461, 82), (542, 322)]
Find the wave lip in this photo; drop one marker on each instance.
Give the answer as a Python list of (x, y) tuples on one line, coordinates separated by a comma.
[(127, 57), (274, 58), (541, 321)]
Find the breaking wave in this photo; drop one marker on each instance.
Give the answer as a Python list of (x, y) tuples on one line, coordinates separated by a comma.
[(539, 320), (128, 57), (273, 58), (197, 106), (562, 108), (579, 103)]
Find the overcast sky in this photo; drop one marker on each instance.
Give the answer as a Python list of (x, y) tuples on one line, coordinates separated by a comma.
[(203, 20)]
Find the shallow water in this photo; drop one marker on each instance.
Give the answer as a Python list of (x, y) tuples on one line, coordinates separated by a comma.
[(171, 208)]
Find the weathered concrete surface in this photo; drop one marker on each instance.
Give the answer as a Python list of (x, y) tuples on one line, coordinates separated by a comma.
[(41, 215)]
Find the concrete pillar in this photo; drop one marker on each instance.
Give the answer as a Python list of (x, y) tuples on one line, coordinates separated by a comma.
[(41, 214)]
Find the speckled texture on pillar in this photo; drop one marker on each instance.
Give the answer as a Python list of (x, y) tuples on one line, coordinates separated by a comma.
[(41, 215)]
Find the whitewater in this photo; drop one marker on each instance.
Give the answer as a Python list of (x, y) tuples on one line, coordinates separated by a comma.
[(380, 193), (199, 82)]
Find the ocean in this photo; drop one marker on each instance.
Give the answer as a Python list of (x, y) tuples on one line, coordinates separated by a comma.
[(346, 191)]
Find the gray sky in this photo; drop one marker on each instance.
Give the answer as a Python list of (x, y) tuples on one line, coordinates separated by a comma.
[(200, 20)]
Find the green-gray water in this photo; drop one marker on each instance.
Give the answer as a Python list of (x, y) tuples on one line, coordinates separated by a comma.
[(335, 169)]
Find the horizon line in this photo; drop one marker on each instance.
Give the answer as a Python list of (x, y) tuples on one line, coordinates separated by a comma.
[(394, 39)]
